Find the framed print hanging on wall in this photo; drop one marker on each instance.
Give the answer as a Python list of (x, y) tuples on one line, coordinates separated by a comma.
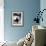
[(17, 18)]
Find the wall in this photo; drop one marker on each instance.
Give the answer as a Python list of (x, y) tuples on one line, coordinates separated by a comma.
[(43, 6), (29, 7), (1, 20)]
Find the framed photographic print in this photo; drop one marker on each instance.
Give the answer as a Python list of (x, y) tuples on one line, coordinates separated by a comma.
[(17, 18)]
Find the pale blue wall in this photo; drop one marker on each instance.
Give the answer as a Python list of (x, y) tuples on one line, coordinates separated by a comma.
[(29, 7), (43, 6)]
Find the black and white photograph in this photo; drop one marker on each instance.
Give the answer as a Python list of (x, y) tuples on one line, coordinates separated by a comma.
[(17, 18)]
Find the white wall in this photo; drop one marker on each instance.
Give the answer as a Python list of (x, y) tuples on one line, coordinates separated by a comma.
[(1, 20)]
